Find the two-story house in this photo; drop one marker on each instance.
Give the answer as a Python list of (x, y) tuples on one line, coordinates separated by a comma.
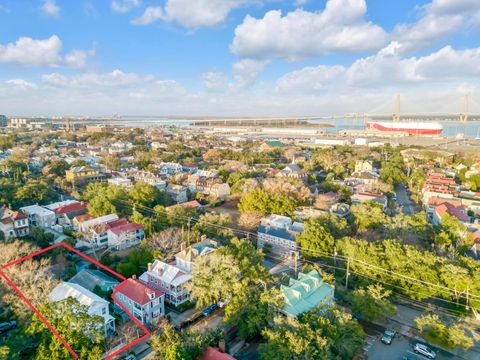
[(95, 304), (185, 259), (177, 192), (39, 216), (82, 175), (66, 211), (13, 224), (143, 302), (279, 233), (169, 279), (125, 236), (306, 292)]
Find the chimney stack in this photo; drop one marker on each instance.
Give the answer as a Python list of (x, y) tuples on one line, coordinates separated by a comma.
[(134, 277), (149, 267), (221, 346)]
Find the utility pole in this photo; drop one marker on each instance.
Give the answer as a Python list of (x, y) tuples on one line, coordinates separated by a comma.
[(467, 306), (335, 262), (347, 274), (296, 263)]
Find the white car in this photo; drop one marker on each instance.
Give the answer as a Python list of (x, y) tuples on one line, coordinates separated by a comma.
[(424, 350)]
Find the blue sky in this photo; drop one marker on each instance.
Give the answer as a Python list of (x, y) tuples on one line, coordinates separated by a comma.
[(236, 57)]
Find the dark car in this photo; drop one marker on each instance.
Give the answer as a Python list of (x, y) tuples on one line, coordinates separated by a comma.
[(210, 309), (7, 326), (388, 336)]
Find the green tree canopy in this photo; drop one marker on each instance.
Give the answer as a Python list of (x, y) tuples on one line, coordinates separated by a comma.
[(83, 332), (319, 334)]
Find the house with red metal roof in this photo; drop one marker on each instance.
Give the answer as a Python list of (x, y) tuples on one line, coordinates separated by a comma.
[(125, 235), (66, 211), (13, 224), (212, 353), (458, 212), (143, 302)]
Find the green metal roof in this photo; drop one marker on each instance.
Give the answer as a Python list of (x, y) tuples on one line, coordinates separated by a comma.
[(275, 143), (305, 293)]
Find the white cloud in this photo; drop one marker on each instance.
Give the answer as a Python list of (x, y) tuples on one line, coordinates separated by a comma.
[(438, 19), (114, 78), (245, 71), (30, 52), (124, 6), (78, 58), (50, 8), (21, 84), (192, 14), (388, 66), (215, 80), (340, 27), (308, 79), (150, 15)]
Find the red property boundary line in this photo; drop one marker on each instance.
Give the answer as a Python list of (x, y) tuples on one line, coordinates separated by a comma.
[(52, 329)]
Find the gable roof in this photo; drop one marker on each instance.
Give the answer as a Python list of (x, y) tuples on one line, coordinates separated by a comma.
[(84, 296), (168, 273), (201, 248), (128, 227), (305, 293), (138, 291), (90, 278), (74, 207)]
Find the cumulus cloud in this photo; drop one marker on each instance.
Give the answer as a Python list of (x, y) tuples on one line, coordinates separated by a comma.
[(124, 6), (50, 8), (437, 20), (215, 80), (30, 52), (389, 66), (114, 78), (245, 71), (192, 14), (21, 84), (78, 58), (150, 15), (340, 27), (308, 79)]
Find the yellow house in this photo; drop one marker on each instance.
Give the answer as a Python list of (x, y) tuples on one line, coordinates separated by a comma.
[(83, 174)]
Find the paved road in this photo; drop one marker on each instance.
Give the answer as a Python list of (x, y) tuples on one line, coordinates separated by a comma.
[(400, 347), (403, 200)]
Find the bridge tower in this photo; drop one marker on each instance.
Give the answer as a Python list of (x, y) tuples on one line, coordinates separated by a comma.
[(396, 114), (68, 126), (464, 111)]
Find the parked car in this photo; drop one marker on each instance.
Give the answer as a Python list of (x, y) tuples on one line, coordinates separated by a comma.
[(131, 357), (7, 326), (424, 350), (210, 309), (388, 336)]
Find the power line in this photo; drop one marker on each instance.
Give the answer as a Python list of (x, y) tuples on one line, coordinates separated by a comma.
[(248, 234)]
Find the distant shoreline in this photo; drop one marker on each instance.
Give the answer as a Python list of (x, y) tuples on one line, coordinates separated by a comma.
[(270, 123)]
